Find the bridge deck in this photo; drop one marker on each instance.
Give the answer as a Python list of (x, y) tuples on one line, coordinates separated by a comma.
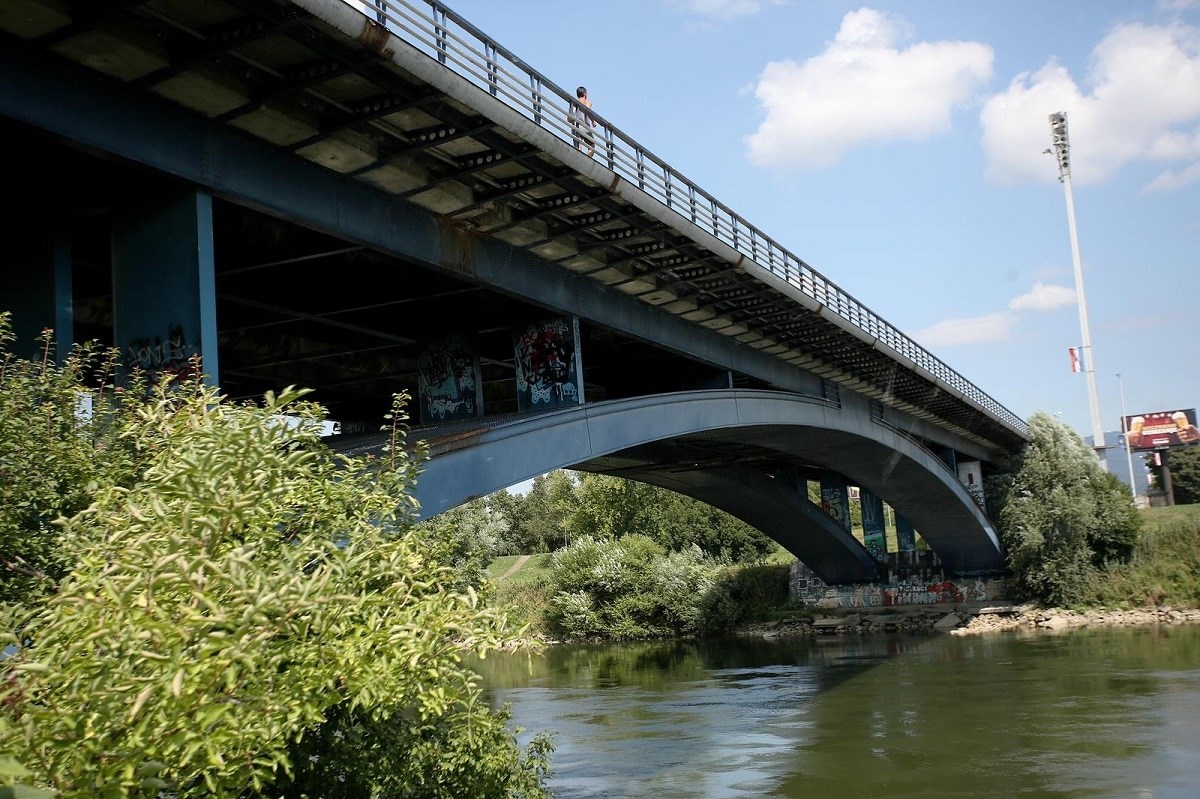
[(433, 112)]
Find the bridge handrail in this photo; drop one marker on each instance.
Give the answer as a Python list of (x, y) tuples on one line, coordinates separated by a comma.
[(439, 32)]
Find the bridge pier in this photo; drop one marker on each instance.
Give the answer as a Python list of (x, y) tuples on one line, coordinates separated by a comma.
[(164, 286), (35, 281)]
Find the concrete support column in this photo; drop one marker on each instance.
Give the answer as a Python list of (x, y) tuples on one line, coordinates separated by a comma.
[(906, 537), (835, 498), (874, 535), (35, 284), (164, 289)]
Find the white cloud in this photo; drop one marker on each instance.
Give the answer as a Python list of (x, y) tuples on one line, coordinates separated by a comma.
[(1141, 101), (997, 326), (969, 330), (1043, 297), (1169, 181), (862, 88), (723, 10)]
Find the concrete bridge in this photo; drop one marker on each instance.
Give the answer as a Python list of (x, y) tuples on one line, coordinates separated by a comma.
[(365, 198)]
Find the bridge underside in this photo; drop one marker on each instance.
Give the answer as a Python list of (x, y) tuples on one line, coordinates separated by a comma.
[(329, 209)]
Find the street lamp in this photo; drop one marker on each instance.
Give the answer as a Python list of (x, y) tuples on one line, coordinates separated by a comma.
[(1062, 153)]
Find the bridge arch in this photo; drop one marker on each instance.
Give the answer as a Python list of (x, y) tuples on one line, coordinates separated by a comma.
[(628, 437)]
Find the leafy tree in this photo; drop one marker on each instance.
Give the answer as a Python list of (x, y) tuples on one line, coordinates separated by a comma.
[(1061, 516), (611, 507), (1185, 474), (544, 512), (689, 522), (505, 510), (246, 599), (473, 532)]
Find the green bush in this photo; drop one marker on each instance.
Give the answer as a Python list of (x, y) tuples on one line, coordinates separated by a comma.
[(743, 593), (627, 588), (242, 601), (53, 456), (1061, 517), (1164, 569)]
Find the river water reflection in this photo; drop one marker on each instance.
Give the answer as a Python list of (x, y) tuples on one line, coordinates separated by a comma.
[(1091, 713)]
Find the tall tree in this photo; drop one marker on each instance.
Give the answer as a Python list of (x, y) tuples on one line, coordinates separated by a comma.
[(1185, 474), (1062, 515), (611, 507), (546, 510)]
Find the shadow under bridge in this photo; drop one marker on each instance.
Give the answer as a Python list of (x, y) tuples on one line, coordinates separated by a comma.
[(744, 451)]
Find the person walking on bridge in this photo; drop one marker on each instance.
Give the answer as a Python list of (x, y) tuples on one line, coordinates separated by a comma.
[(581, 122)]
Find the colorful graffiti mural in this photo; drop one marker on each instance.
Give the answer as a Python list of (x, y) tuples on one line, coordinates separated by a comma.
[(913, 589), (448, 380), (548, 367)]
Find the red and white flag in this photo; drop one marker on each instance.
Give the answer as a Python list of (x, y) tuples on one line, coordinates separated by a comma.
[(1073, 353)]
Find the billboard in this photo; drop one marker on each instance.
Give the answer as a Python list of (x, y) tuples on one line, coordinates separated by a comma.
[(1162, 429)]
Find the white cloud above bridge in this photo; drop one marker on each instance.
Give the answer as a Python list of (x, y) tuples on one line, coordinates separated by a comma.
[(865, 87), (1043, 297), (1139, 101), (999, 325)]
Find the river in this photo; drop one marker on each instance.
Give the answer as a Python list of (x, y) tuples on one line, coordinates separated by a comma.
[(1106, 713)]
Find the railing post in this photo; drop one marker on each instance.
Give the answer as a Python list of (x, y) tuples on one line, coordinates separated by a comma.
[(381, 12), (712, 205), (667, 183), (692, 201), (608, 146), (641, 168), (535, 94), (493, 68), (440, 34)]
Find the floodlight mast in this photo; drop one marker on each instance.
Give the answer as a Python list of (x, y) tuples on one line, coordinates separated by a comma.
[(1062, 154)]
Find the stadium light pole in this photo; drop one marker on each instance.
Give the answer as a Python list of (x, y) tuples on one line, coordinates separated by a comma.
[(1125, 435), (1062, 154)]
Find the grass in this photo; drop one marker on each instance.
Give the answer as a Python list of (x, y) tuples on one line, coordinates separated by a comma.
[(1165, 569), (524, 593)]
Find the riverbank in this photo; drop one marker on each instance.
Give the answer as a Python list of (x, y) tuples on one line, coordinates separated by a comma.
[(967, 620), (1055, 619)]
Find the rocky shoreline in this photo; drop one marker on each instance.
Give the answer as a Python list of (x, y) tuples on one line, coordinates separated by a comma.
[(968, 620)]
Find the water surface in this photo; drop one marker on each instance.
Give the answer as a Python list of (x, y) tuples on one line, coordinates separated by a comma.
[(1090, 713)]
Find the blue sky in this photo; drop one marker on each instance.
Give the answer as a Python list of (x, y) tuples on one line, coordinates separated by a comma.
[(897, 147)]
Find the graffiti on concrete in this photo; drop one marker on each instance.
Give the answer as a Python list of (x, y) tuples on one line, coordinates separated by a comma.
[(170, 357), (547, 358), (915, 578), (448, 380), (907, 592)]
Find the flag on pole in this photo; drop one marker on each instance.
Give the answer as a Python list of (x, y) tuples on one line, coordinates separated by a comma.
[(1073, 353)]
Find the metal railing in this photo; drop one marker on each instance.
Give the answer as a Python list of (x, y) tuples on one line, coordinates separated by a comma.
[(443, 35)]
